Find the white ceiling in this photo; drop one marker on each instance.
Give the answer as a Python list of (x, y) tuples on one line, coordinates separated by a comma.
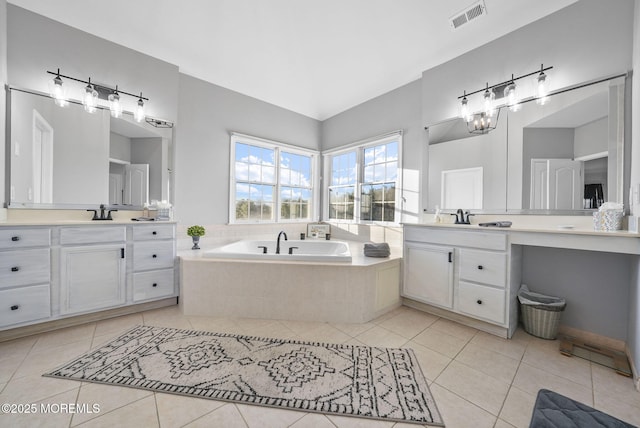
[(314, 57)]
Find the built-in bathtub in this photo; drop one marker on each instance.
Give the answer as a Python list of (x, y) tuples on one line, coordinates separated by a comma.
[(294, 250), (237, 280)]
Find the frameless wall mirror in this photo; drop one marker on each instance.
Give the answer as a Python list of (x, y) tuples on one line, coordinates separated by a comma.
[(564, 157), (66, 158)]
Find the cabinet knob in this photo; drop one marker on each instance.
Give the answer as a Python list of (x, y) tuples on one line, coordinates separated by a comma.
[(155, 284), (479, 301), (154, 233), (15, 238), (15, 307), (154, 256), (480, 267), (15, 269)]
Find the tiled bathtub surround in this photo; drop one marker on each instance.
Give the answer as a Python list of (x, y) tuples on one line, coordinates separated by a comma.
[(477, 379)]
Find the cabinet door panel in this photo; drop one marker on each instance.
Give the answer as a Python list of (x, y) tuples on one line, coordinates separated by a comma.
[(428, 274), (92, 277)]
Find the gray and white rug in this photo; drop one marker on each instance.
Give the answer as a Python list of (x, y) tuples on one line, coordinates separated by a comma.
[(362, 381)]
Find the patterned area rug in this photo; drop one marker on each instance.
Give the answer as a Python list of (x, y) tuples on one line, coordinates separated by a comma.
[(379, 383)]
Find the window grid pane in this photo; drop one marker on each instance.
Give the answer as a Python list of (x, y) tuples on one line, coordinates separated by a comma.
[(295, 190)]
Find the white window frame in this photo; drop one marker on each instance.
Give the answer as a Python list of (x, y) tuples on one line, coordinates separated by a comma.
[(277, 147), (359, 147)]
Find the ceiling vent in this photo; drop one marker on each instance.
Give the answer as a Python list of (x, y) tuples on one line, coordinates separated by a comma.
[(468, 14)]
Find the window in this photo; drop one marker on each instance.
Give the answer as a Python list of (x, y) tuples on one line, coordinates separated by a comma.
[(363, 181), (271, 182)]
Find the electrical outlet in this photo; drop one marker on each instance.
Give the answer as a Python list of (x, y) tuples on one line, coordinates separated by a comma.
[(30, 194), (16, 148), (13, 193)]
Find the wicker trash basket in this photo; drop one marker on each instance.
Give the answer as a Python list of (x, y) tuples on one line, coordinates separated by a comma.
[(540, 314)]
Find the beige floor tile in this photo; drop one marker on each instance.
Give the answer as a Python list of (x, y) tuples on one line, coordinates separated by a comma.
[(177, 410), (46, 413), (607, 383), (509, 347), (17, 347), (268, 417), (454, 329), (350, 422), (458, 412), (496, 365), (475, 386), (378, 336), (29, 389), (102, 340), (392, 313), (8, 366), (313, 420), (325, 333), (44, 360), (518, 408), (55, 339), (301, 327), (431, 362), (531, 379), (547, 356), (118, 324), (440, 342), (502, 424), (141, 413), (353, 329), (619, 409), (409, 324), (108, 397), (226, 416)]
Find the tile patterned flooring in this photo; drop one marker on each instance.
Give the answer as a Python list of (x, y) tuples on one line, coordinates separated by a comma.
[(478, 380)]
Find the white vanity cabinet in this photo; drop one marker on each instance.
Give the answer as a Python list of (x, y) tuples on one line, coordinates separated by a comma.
[(80, 270), (25, 275), (462, 274), (92, 268), (154, 258)]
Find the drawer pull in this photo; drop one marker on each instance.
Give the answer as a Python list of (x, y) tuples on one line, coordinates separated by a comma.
[(450, 257), (154, 232), (15, 269), (480, 267), (479, 301), (15, 307), (15, 238), (154, 256), (155, 284)]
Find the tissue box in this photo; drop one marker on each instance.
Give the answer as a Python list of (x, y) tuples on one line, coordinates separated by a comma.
[(608, 220)]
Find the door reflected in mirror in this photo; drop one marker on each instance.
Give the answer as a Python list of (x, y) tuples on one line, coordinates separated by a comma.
[(68, 158)]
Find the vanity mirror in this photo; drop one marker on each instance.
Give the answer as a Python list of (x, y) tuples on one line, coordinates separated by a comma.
[(66, 158), (564, 157)]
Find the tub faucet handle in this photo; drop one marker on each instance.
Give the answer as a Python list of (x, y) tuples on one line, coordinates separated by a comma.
[(291, 249), (264, 249)]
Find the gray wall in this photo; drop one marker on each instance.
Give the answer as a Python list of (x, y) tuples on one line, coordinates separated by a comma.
[(151, 151), (591, 138), (594, 294), (119, 147), (398, 109), (3, 99), (207, 114)]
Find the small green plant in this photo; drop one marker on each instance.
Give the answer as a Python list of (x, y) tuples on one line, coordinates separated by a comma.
[(195, 231)]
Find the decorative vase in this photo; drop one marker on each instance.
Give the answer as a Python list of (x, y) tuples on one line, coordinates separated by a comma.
[(196, 241)]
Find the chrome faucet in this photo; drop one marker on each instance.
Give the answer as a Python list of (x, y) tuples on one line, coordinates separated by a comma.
[(278, 242), (460, 217), (105, 213)]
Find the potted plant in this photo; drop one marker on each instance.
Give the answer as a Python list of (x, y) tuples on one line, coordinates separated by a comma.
[(195, 232)]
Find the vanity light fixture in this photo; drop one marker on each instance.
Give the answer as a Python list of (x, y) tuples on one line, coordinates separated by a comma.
[(93, 92), (499, 95), (57, 90), (90, 98)]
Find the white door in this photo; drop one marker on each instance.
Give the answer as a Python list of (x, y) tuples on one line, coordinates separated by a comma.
[(92, 277), (136, 189), (557, 184), (462, 188), (116, 191), (428, 274)]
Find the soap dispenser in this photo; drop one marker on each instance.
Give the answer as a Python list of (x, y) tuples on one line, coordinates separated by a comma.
[(437, 216)]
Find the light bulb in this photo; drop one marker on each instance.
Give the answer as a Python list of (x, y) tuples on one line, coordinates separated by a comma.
[(114, 104), (464, 109), (58, 91), (542, 88), (489, 101), (510, 92), (90, 98), (138, 115)]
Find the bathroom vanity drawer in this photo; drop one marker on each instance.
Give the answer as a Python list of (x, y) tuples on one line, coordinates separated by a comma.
[(92, 235), (482, 302), (493, 240), (151, 285), (24, 267), (153, 232), (24, 304), (153, 255), (21, 238), (483, 266)]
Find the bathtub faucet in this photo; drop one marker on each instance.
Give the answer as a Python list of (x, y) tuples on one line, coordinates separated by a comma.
[(278, 243)]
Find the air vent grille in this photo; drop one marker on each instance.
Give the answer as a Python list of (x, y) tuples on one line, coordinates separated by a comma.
[(470, 13)]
